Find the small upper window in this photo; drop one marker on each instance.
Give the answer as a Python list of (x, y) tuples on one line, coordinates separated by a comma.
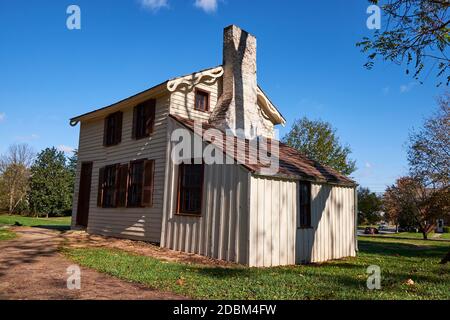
[(113, 129), (305, 205), (201, 100), (144, 119)]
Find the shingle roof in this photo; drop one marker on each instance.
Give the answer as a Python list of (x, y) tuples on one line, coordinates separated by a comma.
[(292, 163)]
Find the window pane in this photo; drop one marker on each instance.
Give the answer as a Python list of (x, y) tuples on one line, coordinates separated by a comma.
[(135, 186), (190, 188), (201, 101)]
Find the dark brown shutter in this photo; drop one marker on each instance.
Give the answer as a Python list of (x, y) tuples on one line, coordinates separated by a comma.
[(116, 186), (100, 187), (105, 132), (123, 186), (147, 189), (135, 119), (118, 127), (150, 111)]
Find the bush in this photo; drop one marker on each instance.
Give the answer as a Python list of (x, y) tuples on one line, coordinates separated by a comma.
[(446, 229)]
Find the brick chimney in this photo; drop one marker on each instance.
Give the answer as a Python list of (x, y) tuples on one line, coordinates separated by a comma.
[(237, 106)]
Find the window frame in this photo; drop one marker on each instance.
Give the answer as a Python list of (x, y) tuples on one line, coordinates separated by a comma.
[(113, 188), (208, 97), (179, 209), (147, 128), (130, 184), (113, 138), (304, 222)]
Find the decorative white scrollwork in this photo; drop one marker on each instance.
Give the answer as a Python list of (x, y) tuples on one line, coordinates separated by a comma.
[(208, 77), (268, 109)]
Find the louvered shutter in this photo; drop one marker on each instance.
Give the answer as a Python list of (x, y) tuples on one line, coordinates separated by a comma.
[(147, 189), (100, 187)]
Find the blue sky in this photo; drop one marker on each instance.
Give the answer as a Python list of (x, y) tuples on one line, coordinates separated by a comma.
[(307, 63)]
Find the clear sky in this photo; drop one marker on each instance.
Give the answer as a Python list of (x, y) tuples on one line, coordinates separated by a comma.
[(307, 63)]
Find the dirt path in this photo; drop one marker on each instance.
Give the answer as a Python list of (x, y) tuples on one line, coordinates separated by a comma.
[(32, 268)]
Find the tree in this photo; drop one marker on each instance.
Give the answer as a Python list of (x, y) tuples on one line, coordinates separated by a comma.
[(410, 198), (14, 175), (51, 183), (318, 140), (397, 212), (429, 148), (369, 206), (416, 32)]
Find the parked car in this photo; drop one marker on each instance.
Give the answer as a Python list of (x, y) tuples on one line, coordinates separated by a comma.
[(370, 230), (383, 226)]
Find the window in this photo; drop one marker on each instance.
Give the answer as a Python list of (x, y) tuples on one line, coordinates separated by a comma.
[(113, 129), (190, 185), (126, 185), (305, 205), (201, 100), (144, 119), (108, 183), (136, 174)]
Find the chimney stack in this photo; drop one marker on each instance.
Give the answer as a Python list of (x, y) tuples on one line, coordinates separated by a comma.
[(237, 106)]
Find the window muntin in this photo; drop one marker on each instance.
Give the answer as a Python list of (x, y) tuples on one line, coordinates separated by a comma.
[(190, 188), (304, 205)]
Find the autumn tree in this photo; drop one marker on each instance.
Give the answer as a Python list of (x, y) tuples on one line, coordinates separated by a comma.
[(408, 198), (14, 176), (414, 33), (318, 140)]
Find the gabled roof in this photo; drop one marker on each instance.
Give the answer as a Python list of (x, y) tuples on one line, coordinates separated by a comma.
[(292, 163), (167, 86)]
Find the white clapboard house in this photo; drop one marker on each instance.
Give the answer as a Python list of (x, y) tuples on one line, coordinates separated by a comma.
[(129, 184)]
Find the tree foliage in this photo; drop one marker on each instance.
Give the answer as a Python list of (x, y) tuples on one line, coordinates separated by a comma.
[(429, 148), (369, 206), (318, 140), (14, 175), (51, 183), (409, 200), (415, 33)]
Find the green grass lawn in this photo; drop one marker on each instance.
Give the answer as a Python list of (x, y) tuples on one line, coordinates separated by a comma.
[(34, 222), (416, 235), (399, 260), (6, 234)]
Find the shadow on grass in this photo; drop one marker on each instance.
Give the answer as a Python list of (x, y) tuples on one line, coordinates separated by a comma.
[(62, 228), (402, 249)]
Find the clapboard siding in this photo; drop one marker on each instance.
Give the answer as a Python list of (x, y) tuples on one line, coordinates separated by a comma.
[(182, 101), (133, 223), (221, 231), (274, 237)]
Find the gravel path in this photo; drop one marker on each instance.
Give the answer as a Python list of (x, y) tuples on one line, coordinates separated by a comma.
[(32, 268)]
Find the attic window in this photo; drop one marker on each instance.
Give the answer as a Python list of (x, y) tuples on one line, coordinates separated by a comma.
[(201, 100)]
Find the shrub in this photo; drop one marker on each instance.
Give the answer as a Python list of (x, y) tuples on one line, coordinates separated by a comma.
[(446, 229)]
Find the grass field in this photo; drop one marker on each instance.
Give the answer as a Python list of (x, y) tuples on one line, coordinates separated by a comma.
[(6, 234), (399, 260), (34, 222), (417, 235)]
